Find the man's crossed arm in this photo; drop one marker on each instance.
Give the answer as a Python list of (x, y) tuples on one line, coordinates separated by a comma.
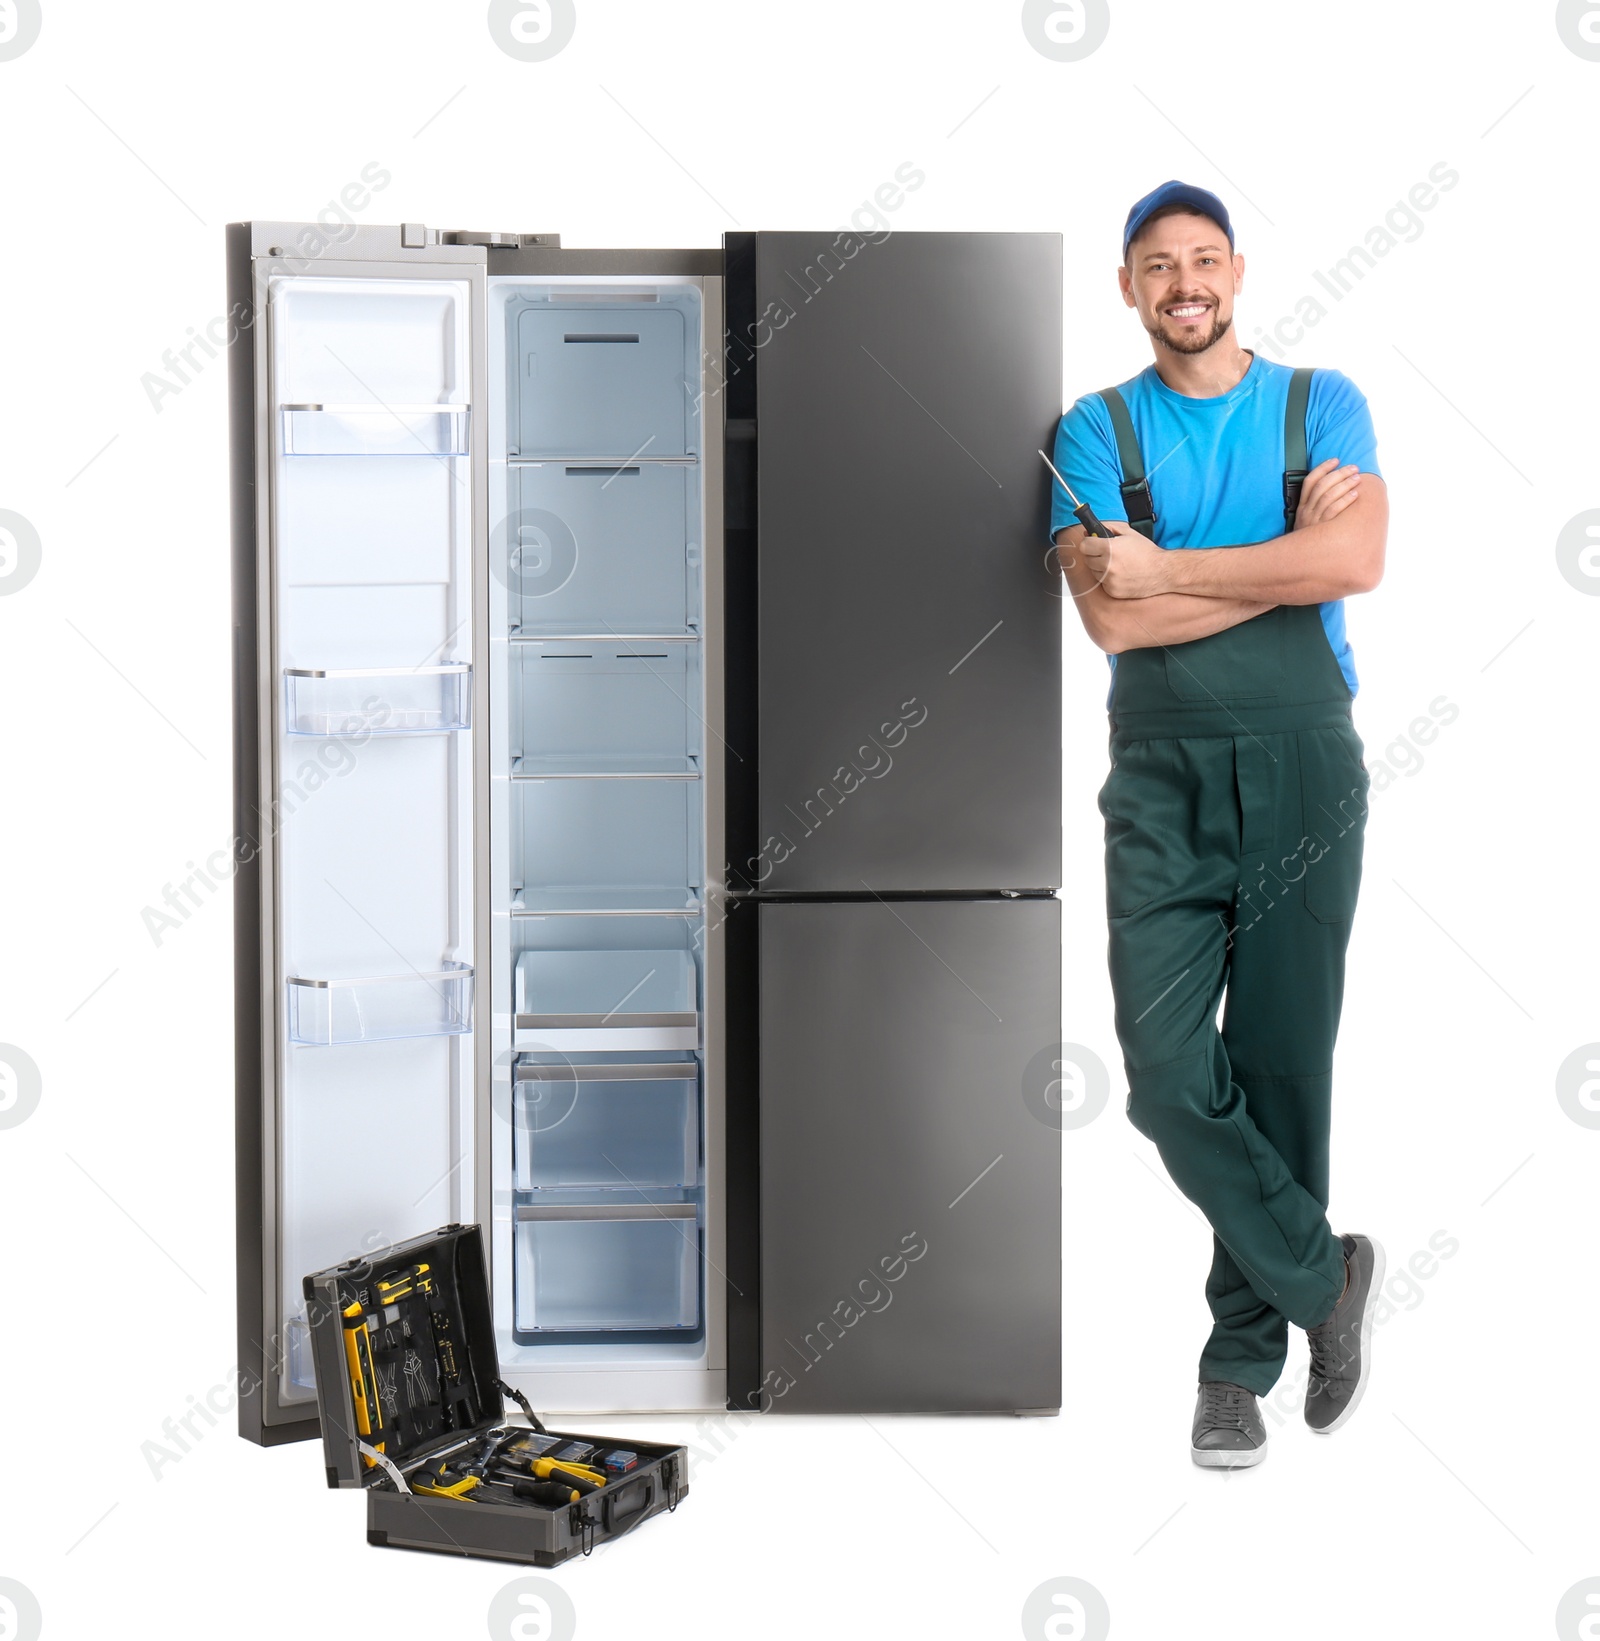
[(1132, 594)]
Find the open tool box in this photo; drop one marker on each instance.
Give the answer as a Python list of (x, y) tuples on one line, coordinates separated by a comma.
[(412, 1408)]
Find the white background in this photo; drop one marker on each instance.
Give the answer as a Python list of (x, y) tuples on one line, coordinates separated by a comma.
[(1461, 1499)]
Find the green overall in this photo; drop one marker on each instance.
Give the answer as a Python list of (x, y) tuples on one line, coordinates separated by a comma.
[(1234, 813)]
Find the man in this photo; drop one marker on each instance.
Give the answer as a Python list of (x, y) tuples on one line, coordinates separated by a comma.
[(1235, 804)]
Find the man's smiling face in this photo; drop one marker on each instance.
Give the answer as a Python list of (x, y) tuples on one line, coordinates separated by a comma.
[(1182, 277)]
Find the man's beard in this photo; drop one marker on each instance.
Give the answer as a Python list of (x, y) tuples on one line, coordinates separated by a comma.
[(1188, 341)]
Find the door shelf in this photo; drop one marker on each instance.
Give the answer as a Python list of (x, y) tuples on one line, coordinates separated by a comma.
[(380, 1008), (346, 702), (599, 1269), (375, 430)]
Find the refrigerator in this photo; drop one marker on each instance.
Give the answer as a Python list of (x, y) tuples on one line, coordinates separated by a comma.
[(647, 785)]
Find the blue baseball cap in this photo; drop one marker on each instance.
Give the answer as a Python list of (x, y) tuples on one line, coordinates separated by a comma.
[(1199, 200)]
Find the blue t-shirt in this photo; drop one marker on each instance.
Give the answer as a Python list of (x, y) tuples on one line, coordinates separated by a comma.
[(1215, 466)]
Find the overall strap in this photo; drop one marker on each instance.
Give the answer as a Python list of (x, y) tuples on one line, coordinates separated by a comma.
[(1135, 487), (1295, 458)]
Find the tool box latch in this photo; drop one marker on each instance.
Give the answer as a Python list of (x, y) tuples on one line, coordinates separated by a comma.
[(584, 1525)]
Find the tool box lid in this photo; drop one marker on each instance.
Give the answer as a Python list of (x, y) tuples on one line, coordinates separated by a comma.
[(412, 1327)]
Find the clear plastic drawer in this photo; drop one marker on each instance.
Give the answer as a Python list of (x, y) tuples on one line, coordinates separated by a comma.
[(607, 1270), (606, 1127)]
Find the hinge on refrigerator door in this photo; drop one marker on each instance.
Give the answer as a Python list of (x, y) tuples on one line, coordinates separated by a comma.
[(512, 242)]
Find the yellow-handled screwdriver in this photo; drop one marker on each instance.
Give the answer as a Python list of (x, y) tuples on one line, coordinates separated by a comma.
[(580, 1476)]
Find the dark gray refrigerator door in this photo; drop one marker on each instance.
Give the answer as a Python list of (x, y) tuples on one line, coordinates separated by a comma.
[(894, 664), (904, 1253)]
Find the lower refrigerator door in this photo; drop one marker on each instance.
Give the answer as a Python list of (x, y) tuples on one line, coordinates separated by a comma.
[(909, 1213)]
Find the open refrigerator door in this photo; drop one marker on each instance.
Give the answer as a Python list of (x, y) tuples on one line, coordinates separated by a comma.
[(362, 703)]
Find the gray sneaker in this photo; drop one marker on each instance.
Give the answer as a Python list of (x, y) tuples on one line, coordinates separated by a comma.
[(1229, 1433), (1341, 1347)]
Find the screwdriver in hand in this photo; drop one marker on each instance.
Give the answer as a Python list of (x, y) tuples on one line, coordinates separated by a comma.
[(1081, 509)]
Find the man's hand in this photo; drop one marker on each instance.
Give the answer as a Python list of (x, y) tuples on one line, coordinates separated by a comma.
[(1335, 549), (1118, 624), (1327, 491), (1128, 565)]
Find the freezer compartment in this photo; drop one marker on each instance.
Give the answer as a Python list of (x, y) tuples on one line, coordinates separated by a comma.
[(606, 844), (592, 706), (607, 1127), (379, 1008), (362, 701), (604, 378), (613, 550), (587, 1271), (375, 430)]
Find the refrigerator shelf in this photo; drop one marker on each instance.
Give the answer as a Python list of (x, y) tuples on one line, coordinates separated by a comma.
[(606, 1201), (521, 635), (604, 1212), (375, 430), (520, 908), (344, 702), (604, 767), (617, 462), (380, 1008), (620, 1034), (616, 1017)]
